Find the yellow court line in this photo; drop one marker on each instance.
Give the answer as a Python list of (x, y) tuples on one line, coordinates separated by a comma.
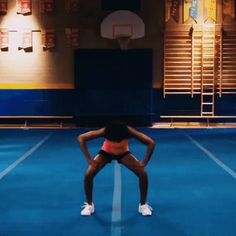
[(38, 86)]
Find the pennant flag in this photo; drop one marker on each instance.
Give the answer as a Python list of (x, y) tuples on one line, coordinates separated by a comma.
[(187, 5), (48, 38), (190, 9), (210, 10), (26, 39), (4, 39), (174, 10), (168, 7), (47, 6), (72, 6), (3, 7), (193, 11), (24, 6), (72, 35), (228, 8)]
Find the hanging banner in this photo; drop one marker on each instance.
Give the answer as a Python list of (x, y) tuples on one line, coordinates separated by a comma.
[(193, 12), (4, 39), (3, 7), (168, 7), (26, 39), (190, 9), (48, 38), (47, 6), (72, 35), (174, 10), (228, 8), (72, 6), (187, 6), (210, 10), (24, 6)]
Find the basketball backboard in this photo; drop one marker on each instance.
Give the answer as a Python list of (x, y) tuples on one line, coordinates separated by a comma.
[(122, 25)]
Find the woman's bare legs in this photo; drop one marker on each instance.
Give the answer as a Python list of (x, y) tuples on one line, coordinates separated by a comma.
[(90, 174), (134, 165)]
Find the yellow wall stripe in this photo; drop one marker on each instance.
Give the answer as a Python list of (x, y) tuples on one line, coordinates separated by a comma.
[(38, 86)]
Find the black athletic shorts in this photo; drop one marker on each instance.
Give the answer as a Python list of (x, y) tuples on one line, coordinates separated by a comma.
[(111, 157)]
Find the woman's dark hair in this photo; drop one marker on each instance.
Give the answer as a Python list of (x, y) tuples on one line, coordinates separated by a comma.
[(116, 131)]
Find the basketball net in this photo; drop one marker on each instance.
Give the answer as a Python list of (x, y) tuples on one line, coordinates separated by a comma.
[(123, 41)]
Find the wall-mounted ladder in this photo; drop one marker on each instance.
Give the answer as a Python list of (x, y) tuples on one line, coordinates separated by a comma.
[(226, 83), (208, 70), (177, 63), (200, 60)]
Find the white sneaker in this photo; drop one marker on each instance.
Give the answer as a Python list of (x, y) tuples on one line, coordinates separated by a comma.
[(88, 209), (145, 209)]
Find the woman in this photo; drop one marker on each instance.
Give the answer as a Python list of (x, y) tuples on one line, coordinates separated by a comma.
[(115, 147)]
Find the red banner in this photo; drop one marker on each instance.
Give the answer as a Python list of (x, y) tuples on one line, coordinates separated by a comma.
[(26, 42), (72, 35), (229, 8), (24, 6), (48, 38), (3, 7), (4, 39), (72, 6), (47, 6)]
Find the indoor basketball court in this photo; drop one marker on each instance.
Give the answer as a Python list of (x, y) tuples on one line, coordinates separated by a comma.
[(166, 68)]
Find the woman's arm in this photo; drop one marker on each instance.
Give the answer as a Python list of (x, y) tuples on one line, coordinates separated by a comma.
[(83, 138), (145, 140)]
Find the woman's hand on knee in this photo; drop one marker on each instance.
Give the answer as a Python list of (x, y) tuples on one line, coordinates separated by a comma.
[(93, 163), (141, 164)]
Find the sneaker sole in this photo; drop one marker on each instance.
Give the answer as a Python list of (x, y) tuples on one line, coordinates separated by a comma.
[(87, 214), (144, 214)]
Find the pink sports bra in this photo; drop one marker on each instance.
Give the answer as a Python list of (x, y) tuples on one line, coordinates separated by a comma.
[(115, 148)]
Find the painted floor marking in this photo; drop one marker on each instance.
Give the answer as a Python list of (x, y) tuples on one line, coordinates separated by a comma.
[(116, 204), (23, 157), (212, 157)]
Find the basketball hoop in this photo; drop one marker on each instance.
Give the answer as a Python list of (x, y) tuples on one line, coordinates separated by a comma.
[(123, 41), (122, 25)]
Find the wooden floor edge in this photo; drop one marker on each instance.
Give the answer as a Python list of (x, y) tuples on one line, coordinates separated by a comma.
[(193, 125), (155, 125)]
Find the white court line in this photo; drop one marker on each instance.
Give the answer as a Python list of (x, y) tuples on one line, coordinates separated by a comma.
[(213, 157), (22, 158), (116, 204)]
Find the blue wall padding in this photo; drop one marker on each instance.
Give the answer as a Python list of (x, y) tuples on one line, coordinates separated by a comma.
[(64, 102), (113, 82), (185, 105), (36, 102)]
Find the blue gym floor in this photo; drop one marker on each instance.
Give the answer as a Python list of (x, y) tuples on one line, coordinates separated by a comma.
[(192, 185)]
